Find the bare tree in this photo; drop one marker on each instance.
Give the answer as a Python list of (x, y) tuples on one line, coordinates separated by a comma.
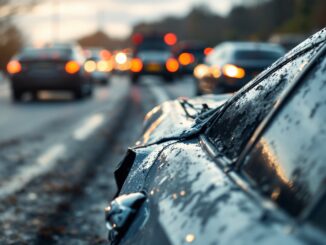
[(11, 39)]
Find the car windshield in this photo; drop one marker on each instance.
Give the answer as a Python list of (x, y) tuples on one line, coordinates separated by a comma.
[(257, 54), (153, 46), (154, 54), (95, 57), (55, 53)]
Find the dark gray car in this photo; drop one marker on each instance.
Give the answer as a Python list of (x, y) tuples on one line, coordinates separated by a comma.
[(251, 170), (54, 67), (231, 65)]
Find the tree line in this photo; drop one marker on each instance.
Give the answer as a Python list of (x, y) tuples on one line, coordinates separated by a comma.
[(255, 21), (250, 20), (11, 38)]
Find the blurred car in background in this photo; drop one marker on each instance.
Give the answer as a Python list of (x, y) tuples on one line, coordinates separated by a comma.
[(153, 56), (232, 64), (221, 169), (99, 64), (54, 67), (189, 55)]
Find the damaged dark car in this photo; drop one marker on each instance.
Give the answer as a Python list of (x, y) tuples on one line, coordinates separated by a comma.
[(243, 169)]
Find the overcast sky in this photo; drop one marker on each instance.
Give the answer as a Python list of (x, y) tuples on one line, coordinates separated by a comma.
[(80, 17)]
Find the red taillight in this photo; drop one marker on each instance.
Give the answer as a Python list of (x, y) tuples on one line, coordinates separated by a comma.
[(137, 38), (136, 65), (105, 54), (208, 50), (233, 71), (172, 65), (170, 39), (186, 59), (72, 67), (14, 67)]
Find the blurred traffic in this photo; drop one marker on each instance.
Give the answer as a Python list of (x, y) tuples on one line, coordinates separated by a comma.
[(99, 64), (152, 55)]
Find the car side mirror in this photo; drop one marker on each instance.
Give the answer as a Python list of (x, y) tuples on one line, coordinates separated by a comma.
[(120, 214)]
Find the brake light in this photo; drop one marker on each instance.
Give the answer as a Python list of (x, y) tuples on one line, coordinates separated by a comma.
[(90, 66), (14, 67), (137, 38), (233, 71), (72, 67), (208, 50), (186, 59), (105, 54), (136, 65), (170, 39), (172, 65)]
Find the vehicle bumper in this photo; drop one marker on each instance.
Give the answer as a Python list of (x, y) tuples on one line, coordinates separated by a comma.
[(100, 76), (47, 81), (154, 69)]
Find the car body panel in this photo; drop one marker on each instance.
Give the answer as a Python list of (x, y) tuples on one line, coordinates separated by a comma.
[(47, 81), (195, 202), (170, 120)]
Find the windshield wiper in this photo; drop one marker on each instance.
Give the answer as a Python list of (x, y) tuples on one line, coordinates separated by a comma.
[(185, 104)]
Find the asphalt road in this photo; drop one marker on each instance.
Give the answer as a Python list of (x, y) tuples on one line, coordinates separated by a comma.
[(57, 158)]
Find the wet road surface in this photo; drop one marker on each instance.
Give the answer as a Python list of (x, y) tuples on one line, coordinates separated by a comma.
[(57, 158)]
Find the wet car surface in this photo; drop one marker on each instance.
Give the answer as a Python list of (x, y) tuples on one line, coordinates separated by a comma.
[(219, 170)]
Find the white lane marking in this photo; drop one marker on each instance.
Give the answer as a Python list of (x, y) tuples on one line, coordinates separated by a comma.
[(44, 164), (88, 127), (51, 154)]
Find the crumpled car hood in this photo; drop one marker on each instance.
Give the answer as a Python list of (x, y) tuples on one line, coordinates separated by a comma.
[(171, 119)]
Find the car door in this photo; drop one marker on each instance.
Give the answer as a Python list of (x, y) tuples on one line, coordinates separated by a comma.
[(286, 164)]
